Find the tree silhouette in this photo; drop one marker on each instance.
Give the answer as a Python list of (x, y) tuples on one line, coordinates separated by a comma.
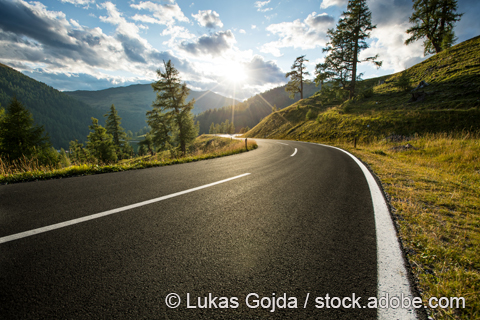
[(295, 85), (433, 20)]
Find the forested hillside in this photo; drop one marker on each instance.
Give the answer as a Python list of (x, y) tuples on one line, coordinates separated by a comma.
[(253, 110), (134, 101), (64, 117)]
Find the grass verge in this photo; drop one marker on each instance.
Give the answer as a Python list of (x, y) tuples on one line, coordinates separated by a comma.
[(204, 148), (434, 188)]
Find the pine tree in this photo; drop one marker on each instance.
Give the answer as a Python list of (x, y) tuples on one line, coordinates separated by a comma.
[(148, 143), (18, 134), (346, 43), (161, 128), (78, 153), (433, 21), (171, 107), (295, 85), (112, 125), (212, 129), (100, 143)]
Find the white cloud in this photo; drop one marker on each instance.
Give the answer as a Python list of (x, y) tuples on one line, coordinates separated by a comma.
[(389, 43), (328, 3), (116, 18), (242, 31), (388, 38), (162, 14), (210, 45), (307, 34), (34, 38), (254, 26), (260, 5), (84, 3), (176, 32), (208, 18)]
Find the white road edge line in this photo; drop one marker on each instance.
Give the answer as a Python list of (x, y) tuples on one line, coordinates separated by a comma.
[(391, 271), (294, 152), (109, 212)]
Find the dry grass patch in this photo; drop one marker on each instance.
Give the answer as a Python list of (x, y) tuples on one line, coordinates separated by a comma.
[(435, 195), (205, 147)]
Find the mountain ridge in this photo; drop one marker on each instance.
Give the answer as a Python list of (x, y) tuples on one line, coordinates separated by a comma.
[(132, 102), (63, 117)]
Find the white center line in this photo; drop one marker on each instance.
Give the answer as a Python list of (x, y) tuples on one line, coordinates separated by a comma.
[(283, 143), (294, 152), (109, 212)]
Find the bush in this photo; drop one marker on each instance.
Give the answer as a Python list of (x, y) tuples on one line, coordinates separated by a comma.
[(367, 93), (310, 115), (347, 106), (403, 82)]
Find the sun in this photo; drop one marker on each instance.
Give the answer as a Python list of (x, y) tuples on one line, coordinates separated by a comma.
[(234, 72)]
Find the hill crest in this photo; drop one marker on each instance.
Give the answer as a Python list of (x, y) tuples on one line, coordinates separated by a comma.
[(381, 108)]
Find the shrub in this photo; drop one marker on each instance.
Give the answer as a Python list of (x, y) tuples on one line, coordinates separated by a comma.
[(310, 115), (403, 82), (368, 93)]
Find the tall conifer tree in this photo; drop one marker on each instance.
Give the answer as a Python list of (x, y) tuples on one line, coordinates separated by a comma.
[(346, 43), (433, 20), (297, 76), (170, 111), (112, 125), (100, 144), (18, 134)]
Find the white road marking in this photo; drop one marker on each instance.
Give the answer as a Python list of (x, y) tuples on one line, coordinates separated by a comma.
[(294, 152), (109, 212), (283, 143), (391, 270)]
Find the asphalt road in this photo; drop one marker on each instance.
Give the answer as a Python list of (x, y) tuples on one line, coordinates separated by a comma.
[(295, 227)]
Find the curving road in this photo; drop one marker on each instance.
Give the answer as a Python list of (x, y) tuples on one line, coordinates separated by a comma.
[(289, 222)]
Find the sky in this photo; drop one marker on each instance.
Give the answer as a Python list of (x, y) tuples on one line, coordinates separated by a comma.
[(234, 48)]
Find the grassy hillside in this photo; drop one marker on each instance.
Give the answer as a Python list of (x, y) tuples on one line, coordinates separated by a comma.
[(63, 117), (451, 103), (250, 112), (429, 163), (134, 101)]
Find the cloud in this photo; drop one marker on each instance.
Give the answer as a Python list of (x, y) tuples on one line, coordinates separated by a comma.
[(260, 5), (214, 44), (388, 38), (329, 3), (261, 72), (242, 31), (208, 18), (82, 81), (46, 35), (84, 3), (309, 34), (34, 39), (162, 14), (176, 32)]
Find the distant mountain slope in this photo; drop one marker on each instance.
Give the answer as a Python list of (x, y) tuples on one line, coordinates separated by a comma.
[(449, 103), (134, 101), (63, 117), (253, 110)]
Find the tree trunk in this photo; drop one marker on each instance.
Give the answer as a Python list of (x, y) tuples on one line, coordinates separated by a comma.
[(301, 81), (354, 69)]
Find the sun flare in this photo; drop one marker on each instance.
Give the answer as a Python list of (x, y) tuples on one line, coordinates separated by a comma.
[(234, 72)]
